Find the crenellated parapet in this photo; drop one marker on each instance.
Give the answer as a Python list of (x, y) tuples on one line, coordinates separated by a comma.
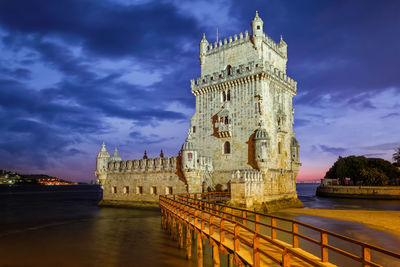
[(241, 74), (144, 165), (239, 39), (247, 176)]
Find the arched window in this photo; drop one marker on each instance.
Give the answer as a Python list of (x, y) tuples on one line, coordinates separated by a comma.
[(223, 96), (228, 69), (226, 120), (227, 148), (279, 148), (228, 96)]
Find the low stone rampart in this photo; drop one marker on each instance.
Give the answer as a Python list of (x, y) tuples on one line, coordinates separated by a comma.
[(372, 192)]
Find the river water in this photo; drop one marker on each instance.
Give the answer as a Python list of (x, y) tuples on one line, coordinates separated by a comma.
[(62, 226)]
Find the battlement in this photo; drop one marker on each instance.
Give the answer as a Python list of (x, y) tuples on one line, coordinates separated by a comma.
[(144, 165), (240, 39), (247, 176), (241, 71)]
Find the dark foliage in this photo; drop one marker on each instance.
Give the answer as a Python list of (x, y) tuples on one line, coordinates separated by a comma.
[(362, 170)]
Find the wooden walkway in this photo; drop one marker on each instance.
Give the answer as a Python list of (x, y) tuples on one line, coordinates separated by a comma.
[(251, 238)]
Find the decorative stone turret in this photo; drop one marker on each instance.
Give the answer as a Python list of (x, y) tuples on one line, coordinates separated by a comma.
[(257, 31), (189, 154), (102, 165), (203, 49), (262, 146), (283, 47), (115, 157)]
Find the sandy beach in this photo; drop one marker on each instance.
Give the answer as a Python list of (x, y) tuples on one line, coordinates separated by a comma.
[(388, 221)]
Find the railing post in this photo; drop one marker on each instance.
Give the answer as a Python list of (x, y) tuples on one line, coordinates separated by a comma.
[(216, 259), (236, 238), (256, 253), (285, 258), (273, 226), (295, 231), (221, 231), (199, 250), (257, 229), (324, 250), (210, 225), (188, 243), (366, 254), (202, 221)]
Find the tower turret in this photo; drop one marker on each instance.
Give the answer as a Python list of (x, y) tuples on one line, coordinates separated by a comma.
[(189, 154), (102, 165), (257, 31), (262, 144), (203, 49), (115, 157), (283, 47)]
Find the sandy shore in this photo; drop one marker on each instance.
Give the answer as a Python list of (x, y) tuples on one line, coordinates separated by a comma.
[(388, 221)]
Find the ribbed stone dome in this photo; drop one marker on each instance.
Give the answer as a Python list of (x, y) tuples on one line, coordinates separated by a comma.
[(188, 145), (116, 157), (103, 152), (261, 134)]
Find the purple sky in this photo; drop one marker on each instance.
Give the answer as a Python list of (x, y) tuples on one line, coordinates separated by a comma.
[(74, 73)]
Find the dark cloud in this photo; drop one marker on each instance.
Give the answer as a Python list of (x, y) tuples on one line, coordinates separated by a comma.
[(383, 146), (148, 140), (103, 28), (333, 150), (391, 115)]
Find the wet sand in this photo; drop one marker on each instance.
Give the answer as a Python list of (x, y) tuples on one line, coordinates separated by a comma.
[(388, 221)]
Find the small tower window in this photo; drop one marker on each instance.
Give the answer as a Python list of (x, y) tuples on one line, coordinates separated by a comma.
[(258, 27), (139, 190), (227, 148), (168, 190), (228, 96), (126, 189), (228, 69), (190, 156), (279, 148), (153, 190), (114, 189), (223, 96), (194, 129), (226, 120)]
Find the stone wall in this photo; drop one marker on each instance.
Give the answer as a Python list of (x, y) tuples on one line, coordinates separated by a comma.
[(126, 186), (374, 192)]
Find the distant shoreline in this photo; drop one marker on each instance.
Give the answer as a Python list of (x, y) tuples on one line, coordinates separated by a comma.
[(367, 192)]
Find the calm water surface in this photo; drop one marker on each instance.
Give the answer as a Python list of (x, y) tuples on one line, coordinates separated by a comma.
[(62, 226)]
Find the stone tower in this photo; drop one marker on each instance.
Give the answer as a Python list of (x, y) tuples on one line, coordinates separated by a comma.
[(102, 165), (244, 114)]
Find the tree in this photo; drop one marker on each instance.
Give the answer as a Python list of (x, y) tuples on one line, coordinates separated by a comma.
[(362, 170), (373, 176), (396, 156)]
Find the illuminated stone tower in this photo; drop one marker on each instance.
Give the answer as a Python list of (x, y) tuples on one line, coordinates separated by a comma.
[(244, 116)]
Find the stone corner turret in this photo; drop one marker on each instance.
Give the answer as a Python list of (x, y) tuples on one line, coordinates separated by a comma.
[(102, 165)]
